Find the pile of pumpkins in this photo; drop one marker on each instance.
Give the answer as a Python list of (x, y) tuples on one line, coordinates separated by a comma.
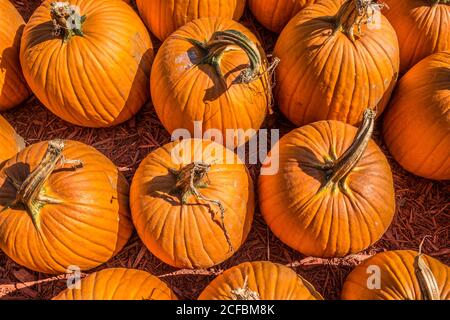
[(93, 64)]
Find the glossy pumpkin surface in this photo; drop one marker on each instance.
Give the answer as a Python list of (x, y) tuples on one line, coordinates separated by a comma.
[(422, 27), (260, 280), (119, 284), (13, 88), (179, 227), (319, 210), (165, 16), (97, 79), (417, 124), (10, 141), (398, 278), (329, 70), (73, 213)]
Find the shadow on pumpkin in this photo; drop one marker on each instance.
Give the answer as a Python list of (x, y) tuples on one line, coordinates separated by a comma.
[(18, 172)]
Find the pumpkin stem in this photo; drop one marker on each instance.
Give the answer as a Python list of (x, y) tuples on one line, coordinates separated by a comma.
[(218, 44), (354, 14), (192, 177), (30, 192), (339, 170), (66, 19), (427, 281), (244, 293), (436, 2)]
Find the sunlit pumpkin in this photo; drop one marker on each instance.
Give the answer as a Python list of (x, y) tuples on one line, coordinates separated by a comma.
[(398, 275), (192, 203), (333, 194), (95, 74), (118, 284), (165, 16), (13, 89), (417, 124), (260, 280), (335, 63), (10, 141), (422, 26), (62, 204)]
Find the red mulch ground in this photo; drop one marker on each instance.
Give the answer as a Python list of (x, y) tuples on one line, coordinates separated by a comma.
[(423, 206)]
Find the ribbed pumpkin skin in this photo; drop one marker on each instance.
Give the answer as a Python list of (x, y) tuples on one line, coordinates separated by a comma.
[(191, 235), (165, 16), (184, 91), (13, 88), (10, 141), (326, 77), (398, 279), (98, 80), (275, 14), (326, 222), (422, 29), (270, 280), (417, 124), (87, 229), (119, 284)]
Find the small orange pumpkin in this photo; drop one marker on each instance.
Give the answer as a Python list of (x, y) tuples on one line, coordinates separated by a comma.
[(13, 88), (275, 14), (422, 26), (165, 16), (417, 124), (334, 64), (212, 71), (192, 203), (334, 192), (62, 203), (119, 284), (95, 74), (261, 280), (398, 275), (10, 141)]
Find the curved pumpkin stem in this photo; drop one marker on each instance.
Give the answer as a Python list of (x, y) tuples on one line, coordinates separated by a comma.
[(29, 192), (244, 293), (218, 44), (193, 177), (66, 19), (427, 281), (355, 13)]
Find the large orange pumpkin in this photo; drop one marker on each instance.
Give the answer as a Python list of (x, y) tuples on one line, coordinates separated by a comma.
[(417, 124), (330, 70), (261, 280), (94, 75), (275, 14), (118, 284), (333, 194), (192, 203), (10, 141), (13, 89), (212, 71), (165, 16), (62, 203), (422, 26), (398, 275)]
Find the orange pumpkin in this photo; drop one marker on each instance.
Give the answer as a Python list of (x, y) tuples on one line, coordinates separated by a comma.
[(212, 71), (422, 27), (95, 74), (62, 203), (13, 88), (165, 16), (330, 70), (192, 203), (333, 194), (260, 280), (398, 275), (275, 14), (119, 284), (10, 141), (417, 124)]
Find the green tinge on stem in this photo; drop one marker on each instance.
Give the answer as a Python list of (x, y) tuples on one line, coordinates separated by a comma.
[(67, 20)]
